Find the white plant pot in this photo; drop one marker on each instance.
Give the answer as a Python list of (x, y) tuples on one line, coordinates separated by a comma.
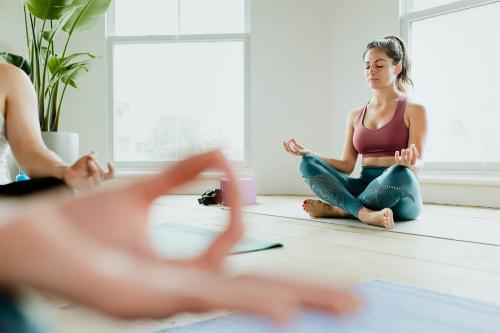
[(64, 144)]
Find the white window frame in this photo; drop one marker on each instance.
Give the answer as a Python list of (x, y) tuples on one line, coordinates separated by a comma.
[(456, 172), (126, 167)]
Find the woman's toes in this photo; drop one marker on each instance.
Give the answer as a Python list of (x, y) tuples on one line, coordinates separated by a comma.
[(306, 205), (388, 219)]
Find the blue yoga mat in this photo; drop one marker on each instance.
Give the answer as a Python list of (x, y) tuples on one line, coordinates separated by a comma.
[(387, 307), (180, 241)]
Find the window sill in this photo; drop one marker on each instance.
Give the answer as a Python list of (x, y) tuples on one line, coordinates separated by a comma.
[(207, 175), (455, 178)]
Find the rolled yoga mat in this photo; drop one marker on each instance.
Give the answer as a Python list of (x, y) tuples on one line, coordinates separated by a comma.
[(179, 241), (387, 307), (462, 228)]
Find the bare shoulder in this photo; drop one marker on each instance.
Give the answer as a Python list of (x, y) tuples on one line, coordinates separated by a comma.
[(415, 115), (10, 72), (414, 109), (354, 115), (12, 78), (9, 69)]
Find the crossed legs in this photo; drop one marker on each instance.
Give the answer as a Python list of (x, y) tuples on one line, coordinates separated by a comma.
[(394, 194)]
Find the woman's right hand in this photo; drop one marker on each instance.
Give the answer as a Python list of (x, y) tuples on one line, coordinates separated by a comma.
[(294, 148)]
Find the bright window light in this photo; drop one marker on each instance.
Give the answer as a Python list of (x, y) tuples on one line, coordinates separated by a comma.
[(146, 17), (175, 99), (456, 76), (212, 16), (172, 17), (178, 79)]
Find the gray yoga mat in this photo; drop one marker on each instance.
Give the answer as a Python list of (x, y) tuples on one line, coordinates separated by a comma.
[(387, 307), (461, 228), (179, 241)]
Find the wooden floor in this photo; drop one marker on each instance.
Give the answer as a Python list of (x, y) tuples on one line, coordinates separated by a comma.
[(327, 252)]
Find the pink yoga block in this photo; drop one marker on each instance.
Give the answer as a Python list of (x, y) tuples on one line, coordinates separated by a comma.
[(248, 190)]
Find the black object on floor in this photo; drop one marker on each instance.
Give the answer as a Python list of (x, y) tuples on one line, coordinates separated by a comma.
[(211, 197)]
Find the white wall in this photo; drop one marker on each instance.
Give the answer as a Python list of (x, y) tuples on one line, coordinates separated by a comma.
[(12, 27), (292, 81)]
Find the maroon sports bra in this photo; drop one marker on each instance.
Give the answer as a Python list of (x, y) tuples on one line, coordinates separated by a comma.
[(384, 141)]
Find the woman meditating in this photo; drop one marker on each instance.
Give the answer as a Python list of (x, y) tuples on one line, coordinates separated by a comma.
[(389, 132)]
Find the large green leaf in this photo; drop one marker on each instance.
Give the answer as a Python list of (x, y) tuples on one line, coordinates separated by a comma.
[(72, 75), (48, 9), (86, 15), (64, 69), (49, 35), (54, 64), (17, 61), (57, 64)]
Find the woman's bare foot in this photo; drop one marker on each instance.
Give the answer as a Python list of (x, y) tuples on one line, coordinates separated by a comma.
[(318, 208), (382, 218)]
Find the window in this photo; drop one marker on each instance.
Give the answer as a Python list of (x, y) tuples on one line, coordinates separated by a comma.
[(454, 51), (179, 78)]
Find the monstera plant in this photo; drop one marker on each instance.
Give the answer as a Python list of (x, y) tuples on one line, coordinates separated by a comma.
[(50, 25)]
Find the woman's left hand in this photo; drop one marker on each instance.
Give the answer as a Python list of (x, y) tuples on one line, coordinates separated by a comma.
[(86, 174), (407, 157)]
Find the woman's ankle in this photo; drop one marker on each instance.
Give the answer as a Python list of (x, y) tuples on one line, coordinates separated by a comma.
[(363, 213)]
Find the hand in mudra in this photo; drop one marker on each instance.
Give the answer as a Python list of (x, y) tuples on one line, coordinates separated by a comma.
[(146, 285), (86, 174), (294, 148), (119, 217), (407, 157)]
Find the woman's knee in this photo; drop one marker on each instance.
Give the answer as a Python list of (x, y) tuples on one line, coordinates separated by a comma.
[(309, 166), (398, 174), (407, 210)]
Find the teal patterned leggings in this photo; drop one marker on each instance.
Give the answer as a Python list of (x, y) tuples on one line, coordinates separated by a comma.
[(395, 187)]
